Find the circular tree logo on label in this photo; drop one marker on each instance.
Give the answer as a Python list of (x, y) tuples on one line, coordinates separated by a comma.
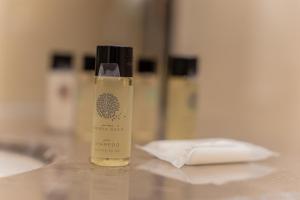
[(107, 106)]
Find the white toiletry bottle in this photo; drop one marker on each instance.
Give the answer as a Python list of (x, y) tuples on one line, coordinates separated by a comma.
[(60, 94)]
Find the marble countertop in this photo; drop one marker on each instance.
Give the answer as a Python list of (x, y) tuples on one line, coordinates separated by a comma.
[(69, 175)]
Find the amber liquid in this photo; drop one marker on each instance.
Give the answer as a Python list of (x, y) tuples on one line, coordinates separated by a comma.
[(181, 116), (112, 124), (146, 105), (85, 107)]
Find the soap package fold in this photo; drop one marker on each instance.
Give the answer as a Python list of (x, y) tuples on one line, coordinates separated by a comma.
[(206, 151)]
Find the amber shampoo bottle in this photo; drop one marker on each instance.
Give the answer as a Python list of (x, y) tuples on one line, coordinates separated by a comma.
[(112, 120)]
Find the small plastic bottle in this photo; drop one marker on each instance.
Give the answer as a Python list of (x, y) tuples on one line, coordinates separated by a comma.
[(181, 117), (60, 94), (112, 123), (146, 106)]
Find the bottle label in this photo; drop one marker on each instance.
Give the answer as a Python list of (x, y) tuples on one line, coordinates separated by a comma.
[(112, 118)]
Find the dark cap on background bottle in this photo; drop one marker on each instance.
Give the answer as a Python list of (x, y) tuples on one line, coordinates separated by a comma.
[(61, 61), (114, 61), (89, 63), (182, 66), (146, 66)]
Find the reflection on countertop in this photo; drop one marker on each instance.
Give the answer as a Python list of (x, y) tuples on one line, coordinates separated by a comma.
[(272, 196), (208, 174), (84, 181)]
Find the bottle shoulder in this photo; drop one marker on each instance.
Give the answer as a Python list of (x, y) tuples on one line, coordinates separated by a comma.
[(114, 80)]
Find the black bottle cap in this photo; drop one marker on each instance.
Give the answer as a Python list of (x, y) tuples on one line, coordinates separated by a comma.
[(114, 61), (61, 61), (146, 66), (89, 63), (182, 66)]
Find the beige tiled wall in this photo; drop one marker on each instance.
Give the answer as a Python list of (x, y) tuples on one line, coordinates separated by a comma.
[(250, 64)]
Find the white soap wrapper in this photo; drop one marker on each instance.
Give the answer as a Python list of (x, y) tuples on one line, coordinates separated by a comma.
[(206, 151)]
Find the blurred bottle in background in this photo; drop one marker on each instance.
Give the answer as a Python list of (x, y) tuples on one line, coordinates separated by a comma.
[(86, 99), (60, 94), (146, 102), (181, 116)]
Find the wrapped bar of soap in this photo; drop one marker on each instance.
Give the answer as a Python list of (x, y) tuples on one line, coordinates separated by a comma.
[(206, 151)]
